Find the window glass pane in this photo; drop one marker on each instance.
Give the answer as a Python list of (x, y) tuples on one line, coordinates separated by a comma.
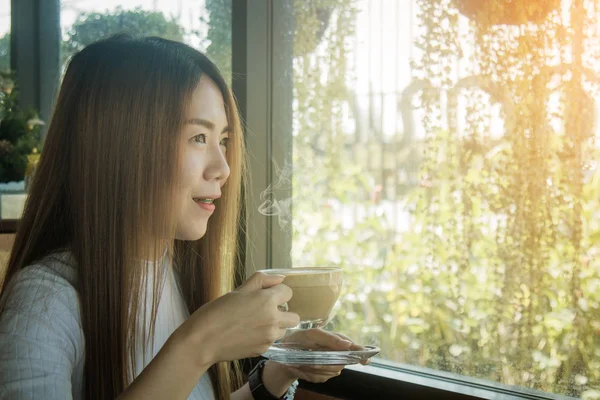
[(203, 24), (445, 155), (4, 35), (11, 198)]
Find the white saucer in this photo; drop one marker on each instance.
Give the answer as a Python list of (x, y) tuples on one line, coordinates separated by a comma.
[(294, 354)]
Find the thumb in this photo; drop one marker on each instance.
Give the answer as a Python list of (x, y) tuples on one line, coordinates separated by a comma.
[(260, 280)]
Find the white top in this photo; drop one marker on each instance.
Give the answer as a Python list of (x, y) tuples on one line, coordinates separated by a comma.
[(41, 339)]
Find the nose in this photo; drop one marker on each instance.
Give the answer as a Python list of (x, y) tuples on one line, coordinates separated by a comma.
[(216, 167)]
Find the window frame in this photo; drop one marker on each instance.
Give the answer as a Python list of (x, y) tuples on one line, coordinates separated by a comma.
[(35, 52), (262, 85), (34, 57), (386, 379)]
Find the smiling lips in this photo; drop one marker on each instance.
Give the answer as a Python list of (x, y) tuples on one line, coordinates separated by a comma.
[(206, 202)]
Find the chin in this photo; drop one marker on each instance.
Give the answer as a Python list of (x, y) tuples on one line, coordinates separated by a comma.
[(191, 233)]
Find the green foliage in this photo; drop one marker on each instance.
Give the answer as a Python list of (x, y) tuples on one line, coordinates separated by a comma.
[(5, 52), (91, 27), (496, 274), (19, 133), (219, 35)]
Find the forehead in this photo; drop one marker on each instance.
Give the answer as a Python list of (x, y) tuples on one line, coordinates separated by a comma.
[(207, 102)]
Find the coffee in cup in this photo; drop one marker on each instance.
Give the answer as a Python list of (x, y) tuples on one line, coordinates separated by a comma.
[(315, 292)]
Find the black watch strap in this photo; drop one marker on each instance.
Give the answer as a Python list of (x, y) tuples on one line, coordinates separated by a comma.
[(258, 389)]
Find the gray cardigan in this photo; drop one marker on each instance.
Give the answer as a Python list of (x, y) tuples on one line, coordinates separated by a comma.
[(42, 349)]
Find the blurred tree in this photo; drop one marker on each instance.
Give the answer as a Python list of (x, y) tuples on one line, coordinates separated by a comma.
[(497, 276), (90, 27), (219, 34), (5, 52), (19, 132)]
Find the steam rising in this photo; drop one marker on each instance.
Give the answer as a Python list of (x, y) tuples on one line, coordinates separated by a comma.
[(272, 206), (277, 202)]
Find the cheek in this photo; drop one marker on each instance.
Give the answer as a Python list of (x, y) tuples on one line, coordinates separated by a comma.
[(190, 170)]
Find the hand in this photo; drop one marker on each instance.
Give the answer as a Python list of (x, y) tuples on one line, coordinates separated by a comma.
[(240, 324), (317, 338)]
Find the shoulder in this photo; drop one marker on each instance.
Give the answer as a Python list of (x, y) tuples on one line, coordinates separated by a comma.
[(41, 302), (41, 338), (37, 286)]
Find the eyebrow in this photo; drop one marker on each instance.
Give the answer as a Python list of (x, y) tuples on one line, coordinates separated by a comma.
[(206, 124)]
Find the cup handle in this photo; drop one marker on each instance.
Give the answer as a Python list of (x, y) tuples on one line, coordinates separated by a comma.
[(283, 307)]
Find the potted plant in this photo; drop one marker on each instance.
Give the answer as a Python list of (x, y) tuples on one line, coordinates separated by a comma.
[(506, 12), (19, 134)]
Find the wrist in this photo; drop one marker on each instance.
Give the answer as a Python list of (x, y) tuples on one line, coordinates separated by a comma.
[(187, 345), (277, 378)]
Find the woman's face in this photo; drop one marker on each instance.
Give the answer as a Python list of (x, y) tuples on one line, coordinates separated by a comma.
[(203, 169)]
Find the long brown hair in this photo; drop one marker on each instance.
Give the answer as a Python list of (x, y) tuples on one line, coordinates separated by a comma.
[(103, 191)]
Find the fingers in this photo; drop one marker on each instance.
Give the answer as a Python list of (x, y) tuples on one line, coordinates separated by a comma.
[(329, 340), (320, 339), (343, 336), (280, 293), (354, 346), (318, 377), (268, 281), (261, 280), (281, 334), (319, 374), (288, 320), (323, 369)]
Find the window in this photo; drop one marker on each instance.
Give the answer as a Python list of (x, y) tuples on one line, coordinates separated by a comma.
[(11, 193), (4, 35), (445, 156), (203, 24), (441, 152)]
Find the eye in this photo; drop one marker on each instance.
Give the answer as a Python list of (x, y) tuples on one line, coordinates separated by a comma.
[(224, 142), (201, 138)]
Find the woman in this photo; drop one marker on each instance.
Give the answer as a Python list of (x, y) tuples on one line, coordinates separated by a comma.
[(131, 226)]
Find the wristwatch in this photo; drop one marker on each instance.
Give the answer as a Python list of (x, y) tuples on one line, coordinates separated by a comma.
[(258, 389)]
